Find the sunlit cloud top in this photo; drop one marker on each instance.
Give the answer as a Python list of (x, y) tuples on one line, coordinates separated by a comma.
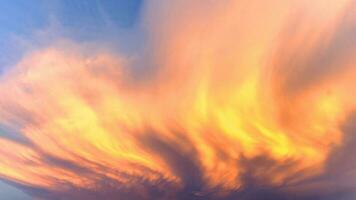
[(220, 100)]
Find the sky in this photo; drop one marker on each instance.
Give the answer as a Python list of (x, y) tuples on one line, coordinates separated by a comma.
[(178, 100), (23, 21)]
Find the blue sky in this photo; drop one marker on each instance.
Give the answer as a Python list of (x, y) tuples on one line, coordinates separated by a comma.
[(83, 20), (86, 20), (10, 193)]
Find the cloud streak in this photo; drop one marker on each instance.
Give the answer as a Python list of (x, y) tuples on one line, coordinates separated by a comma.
[(227, 100)]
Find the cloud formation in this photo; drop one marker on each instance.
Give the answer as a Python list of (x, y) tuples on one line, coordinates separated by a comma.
[(228, 100)]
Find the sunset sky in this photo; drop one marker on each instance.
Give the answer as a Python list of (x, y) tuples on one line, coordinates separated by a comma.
[(178, 100)]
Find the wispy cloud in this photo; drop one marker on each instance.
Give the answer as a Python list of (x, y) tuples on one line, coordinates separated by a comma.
[(223, 100)]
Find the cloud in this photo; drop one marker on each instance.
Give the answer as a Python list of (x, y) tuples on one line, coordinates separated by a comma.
[(226, 100), (311, 53)]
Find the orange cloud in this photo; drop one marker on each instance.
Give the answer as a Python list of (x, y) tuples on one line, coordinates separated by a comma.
[(238, 88)]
